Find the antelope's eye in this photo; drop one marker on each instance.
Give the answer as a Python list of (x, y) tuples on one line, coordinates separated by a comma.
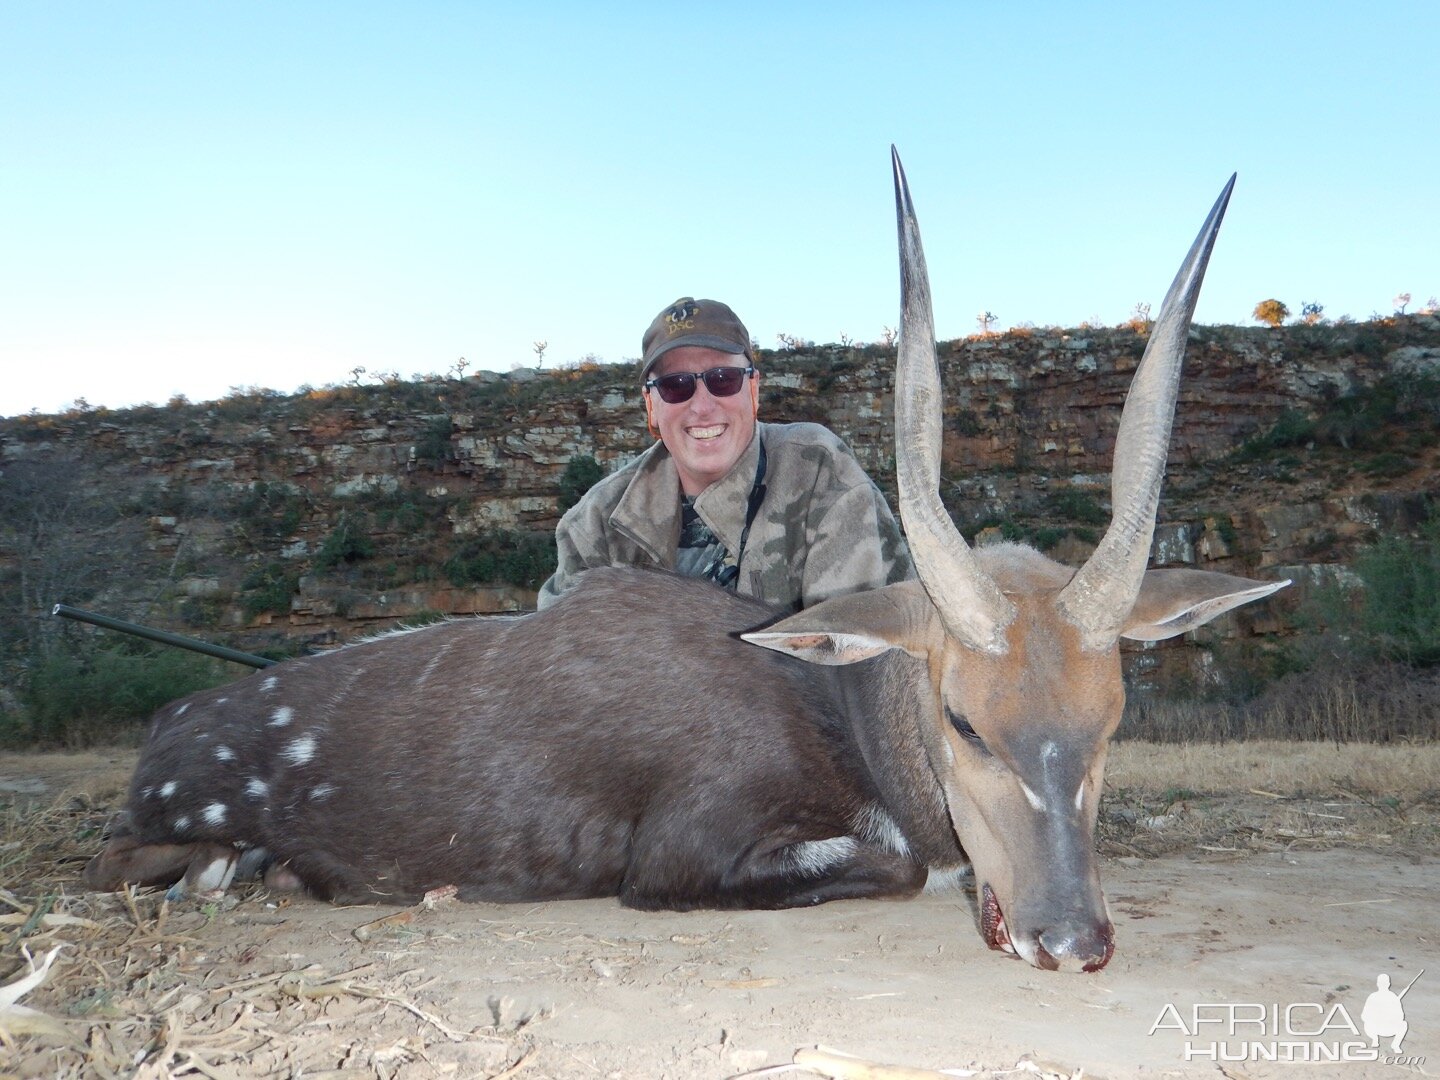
[(960, 724)]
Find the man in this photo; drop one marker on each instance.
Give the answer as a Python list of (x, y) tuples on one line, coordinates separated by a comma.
[(780, 512)]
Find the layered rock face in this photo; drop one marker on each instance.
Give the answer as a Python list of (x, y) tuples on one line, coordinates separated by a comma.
[(238, 510)]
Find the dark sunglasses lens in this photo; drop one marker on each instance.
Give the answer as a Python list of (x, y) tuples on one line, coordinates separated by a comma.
[(724, 381), (680, 387), (676, 388)]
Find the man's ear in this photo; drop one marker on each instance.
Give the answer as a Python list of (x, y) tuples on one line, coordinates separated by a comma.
[(649, 413)]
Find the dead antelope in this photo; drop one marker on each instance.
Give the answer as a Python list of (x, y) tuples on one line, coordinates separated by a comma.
[(628, 741)]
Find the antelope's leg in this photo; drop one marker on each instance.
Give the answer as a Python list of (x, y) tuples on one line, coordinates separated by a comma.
[(128, 860), (799, 874)]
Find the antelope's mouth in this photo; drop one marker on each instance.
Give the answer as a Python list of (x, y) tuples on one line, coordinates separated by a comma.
[(992, 922)]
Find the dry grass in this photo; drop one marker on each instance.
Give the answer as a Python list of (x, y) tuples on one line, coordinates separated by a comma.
[(1238, 798), (1377, 703), (1407, 772), (143, 991)]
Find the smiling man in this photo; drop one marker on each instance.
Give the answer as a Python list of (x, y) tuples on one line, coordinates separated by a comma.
[(780, 512)]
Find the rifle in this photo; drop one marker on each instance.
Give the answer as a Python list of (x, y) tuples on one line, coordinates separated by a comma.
[(235, 656)]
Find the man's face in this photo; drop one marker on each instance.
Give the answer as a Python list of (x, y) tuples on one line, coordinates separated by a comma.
[(705, 435)]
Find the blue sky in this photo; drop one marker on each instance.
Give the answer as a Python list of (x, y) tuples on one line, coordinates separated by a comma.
[(200, 196)]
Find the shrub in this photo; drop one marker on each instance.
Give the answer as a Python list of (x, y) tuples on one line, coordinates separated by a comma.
[(265, 512), (76, 695), (434, 442), (1399, 607), (582, 472), (268, 588), (965, 422), (347, 543), (404, 517), (1388, 463), (1074, 505), (503, 556)]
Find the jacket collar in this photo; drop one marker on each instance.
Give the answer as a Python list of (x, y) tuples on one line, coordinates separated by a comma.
[(649, 511)]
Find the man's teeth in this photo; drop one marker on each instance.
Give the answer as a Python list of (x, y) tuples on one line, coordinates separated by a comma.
[(707, 432)]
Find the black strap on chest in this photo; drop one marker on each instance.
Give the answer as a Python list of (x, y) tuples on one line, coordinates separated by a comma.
[(752, 508)]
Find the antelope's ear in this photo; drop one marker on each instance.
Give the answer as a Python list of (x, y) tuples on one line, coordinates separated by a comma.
[(851, 628), (1174, 601)]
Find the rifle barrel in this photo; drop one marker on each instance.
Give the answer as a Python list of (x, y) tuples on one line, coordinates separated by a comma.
[(235, 656)]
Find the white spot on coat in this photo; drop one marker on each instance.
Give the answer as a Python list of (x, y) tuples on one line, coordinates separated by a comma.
[(146, 792), (182, 822), (224, 753), (215, 813), (167, 789), (271, 681), (300, 750), (322, 791), (181, 710), (282, 716), (257, 788), (1080, 796)]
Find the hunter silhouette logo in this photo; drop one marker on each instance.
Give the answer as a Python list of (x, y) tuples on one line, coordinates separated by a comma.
[(1299, 1031), (1384, 1016)]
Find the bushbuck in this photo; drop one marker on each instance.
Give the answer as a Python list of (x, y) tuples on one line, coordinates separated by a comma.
[(632, 741)]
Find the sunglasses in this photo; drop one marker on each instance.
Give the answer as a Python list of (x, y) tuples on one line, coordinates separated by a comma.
[(720, 381)]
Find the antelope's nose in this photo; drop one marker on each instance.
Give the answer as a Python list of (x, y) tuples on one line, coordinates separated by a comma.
[(1086, 947)]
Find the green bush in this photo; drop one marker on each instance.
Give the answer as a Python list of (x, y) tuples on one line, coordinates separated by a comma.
[(1399, 607), (268, 588), (348, 542), (1072, 504), (434, 442), (75, 695), (1387, 463), (265, 513), (404, 517), (503, 556), (582, 472), (1368, 419)]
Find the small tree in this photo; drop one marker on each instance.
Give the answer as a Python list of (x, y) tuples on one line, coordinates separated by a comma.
[(539, 348), (985, 320), (1270, 312), (1401, 302), (1311, 312), (581, 473), (348, 543)]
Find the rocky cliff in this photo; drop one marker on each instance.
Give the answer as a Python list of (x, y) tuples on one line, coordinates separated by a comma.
[(284, 522)]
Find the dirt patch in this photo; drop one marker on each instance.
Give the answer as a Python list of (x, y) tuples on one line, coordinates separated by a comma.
[(1232, 910)]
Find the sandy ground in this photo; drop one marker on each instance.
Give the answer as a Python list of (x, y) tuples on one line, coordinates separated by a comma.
[(262, 986)]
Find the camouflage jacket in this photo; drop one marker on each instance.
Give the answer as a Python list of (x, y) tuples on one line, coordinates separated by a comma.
[(822, 530)]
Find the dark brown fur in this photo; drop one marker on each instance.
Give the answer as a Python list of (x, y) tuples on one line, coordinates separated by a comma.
[(622, 742)]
